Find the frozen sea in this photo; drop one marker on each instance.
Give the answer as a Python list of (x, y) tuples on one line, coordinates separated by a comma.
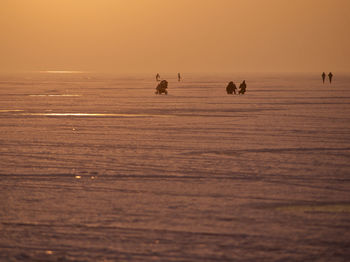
[(99, 168)]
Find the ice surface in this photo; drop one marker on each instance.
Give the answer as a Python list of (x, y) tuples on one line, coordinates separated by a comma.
[(99, 168)]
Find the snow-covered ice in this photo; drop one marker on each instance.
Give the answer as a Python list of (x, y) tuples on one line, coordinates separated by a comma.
[(99, 168)]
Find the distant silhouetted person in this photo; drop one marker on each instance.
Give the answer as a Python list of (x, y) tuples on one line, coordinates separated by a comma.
[(242, 88), (158, 77), (323, 76), (330, 76), (178, 77), (161, 87), (231, 88)]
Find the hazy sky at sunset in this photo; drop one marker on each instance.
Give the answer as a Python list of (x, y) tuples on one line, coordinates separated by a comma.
[(167, 35)]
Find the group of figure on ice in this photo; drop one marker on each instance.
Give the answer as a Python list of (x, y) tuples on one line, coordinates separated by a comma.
[(330, 76), (163, 85), (231, 88)]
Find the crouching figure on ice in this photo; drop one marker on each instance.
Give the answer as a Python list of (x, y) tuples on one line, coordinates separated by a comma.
[(231, 88), (242, 88), (161, 87)]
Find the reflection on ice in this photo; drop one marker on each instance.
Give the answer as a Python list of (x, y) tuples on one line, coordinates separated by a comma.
[(56, 95), (9, 110), (61, 72)]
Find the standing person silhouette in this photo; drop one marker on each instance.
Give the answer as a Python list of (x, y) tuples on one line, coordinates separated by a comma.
[(330, 76), (157, 77), (323, 76), (178, 77)]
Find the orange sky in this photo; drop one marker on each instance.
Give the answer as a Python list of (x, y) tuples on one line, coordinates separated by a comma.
[(170, 36)]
